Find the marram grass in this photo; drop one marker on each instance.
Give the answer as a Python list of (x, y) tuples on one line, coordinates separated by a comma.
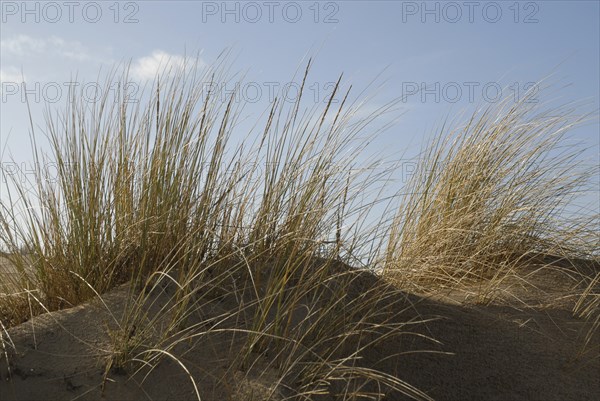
[(159, 196)]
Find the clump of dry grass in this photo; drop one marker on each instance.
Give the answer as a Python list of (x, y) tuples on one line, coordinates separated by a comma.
[(489, 198)]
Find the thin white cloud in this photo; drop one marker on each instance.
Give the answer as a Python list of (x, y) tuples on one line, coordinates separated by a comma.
[(24, 46), (146, 68), (21, 45), (71, 49), (11, 74)]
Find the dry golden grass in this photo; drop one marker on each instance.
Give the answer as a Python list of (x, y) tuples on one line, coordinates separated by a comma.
[(491, 197), (159, 197)]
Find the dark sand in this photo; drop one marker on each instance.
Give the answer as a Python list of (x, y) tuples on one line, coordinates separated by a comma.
[(496, 352)]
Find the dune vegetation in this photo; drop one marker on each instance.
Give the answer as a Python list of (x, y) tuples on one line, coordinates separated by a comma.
[(270, 246)]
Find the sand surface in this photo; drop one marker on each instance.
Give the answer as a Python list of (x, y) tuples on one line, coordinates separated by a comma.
[(494, 352)]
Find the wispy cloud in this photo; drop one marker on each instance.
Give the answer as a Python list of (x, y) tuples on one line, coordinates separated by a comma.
[(11, 74), (146, 68), (24, 46)]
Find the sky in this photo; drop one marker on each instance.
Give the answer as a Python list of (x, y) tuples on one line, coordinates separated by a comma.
[(441, 59)]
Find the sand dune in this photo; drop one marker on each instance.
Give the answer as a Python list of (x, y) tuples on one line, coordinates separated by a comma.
[(495, 352)]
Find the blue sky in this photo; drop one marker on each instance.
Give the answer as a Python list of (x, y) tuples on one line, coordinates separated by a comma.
[(475, 47)]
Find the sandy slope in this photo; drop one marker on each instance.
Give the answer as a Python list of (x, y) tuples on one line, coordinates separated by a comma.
[(496, 352)]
